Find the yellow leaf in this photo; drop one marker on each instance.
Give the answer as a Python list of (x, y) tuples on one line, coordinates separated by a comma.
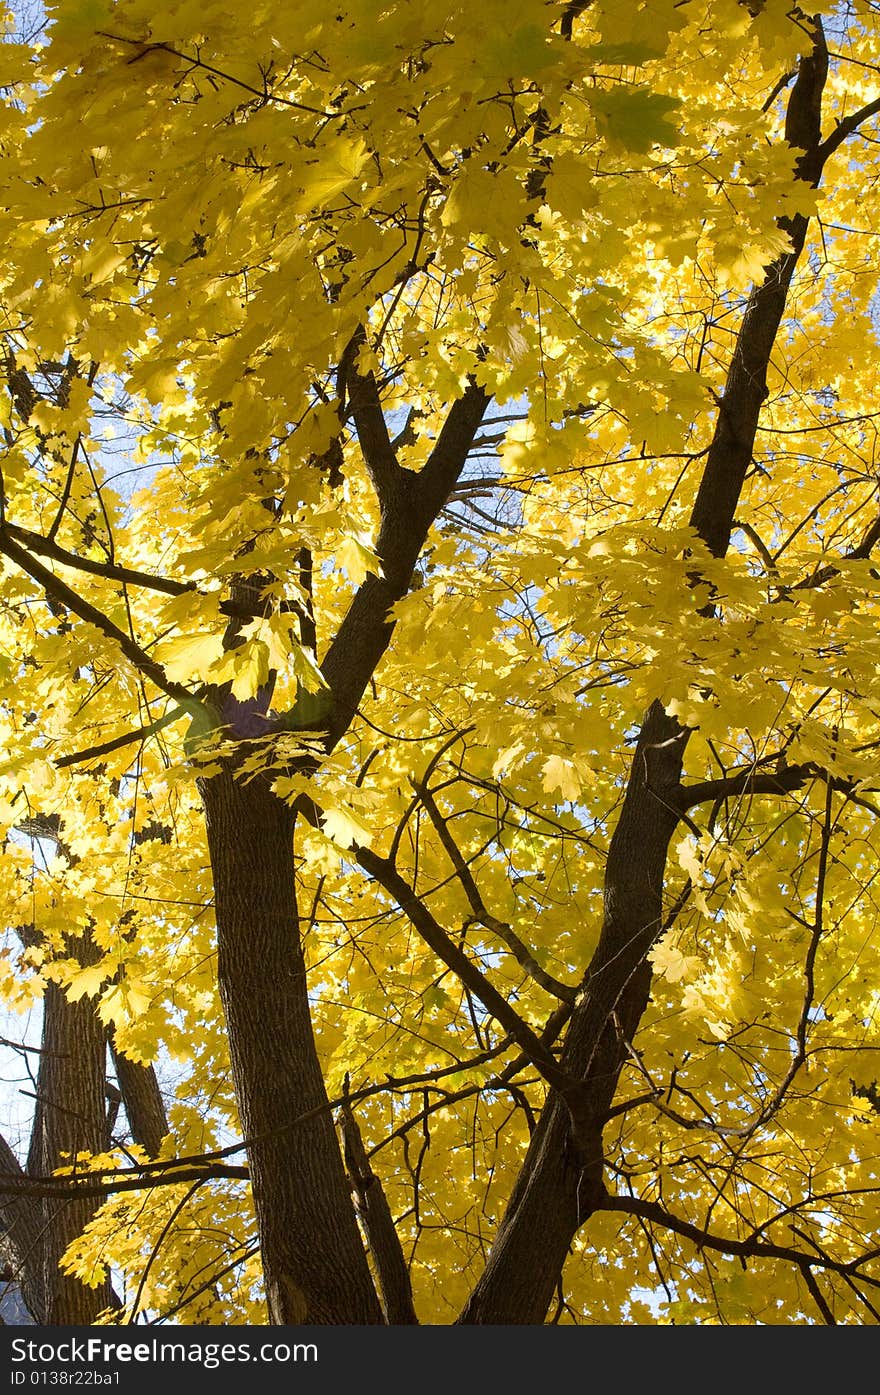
[(190, 655), (86, 983), (343, 827), (560, 774), (674, 966), (330, 176), (357, 557)]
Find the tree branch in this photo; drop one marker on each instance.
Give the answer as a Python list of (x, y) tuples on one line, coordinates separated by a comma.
[(785, 779), (860, 553), (817, 1296), (408, 511), (47, 547), (520, 951), (379, 454), (468, 974), (103, 748), (128, 576), (60, 592), (447, 459), (751, 1248), (573, 10), (732, 445), (375, 1215), (846, 128), (65, 1188)]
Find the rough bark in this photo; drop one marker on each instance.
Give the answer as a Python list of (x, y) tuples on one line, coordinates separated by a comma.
[(21, 1222), (70, 1118), (375, 1216), (144, 1106), (313, 1257)]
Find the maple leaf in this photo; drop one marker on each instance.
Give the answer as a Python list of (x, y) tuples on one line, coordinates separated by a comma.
[(560, 774)]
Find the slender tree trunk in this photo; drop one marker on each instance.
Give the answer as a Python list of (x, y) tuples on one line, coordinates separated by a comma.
[(144, 1106), (560, 1183), (21, 1222), (71, 1118), (313, 1257), (371, 1205)]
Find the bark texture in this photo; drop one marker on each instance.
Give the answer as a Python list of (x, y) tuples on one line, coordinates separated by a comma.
[(313, 1257), (144, 1106), (70, 1118), (21, 1221), (375, 1216)]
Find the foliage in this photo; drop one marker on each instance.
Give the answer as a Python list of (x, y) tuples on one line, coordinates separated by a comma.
[(268, 269)]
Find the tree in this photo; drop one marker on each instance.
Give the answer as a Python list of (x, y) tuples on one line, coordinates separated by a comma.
[(440, 665)]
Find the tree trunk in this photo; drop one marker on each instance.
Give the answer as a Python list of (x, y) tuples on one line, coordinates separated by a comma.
[(21, 1223), (142, 1098), (313, 1257), (560, 1183), (70, 1118)]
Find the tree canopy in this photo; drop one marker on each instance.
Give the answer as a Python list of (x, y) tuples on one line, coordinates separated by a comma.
[(439, 661)]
